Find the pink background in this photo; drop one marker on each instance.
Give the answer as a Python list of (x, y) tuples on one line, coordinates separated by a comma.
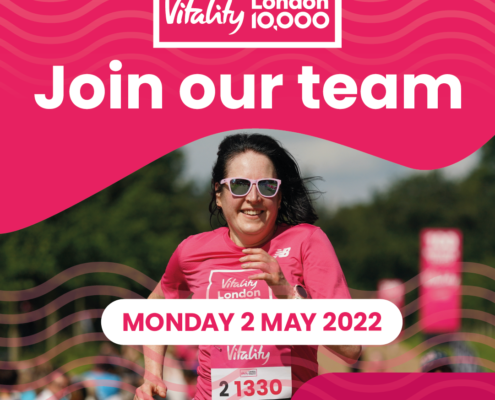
[(53, 159), (383, 386)]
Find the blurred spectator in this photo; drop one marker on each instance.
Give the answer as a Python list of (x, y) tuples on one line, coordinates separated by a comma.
[(8, 378), (104, 372), (27, 377), (465, 358), (376, 362), (435, 361), (58, 384), (81, 393), (130, 375), (188, 359)]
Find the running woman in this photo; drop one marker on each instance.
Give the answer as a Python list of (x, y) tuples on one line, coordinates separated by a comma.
[(268, 249)]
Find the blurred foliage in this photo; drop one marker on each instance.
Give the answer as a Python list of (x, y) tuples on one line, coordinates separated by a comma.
[(140, 220), (380, 239)]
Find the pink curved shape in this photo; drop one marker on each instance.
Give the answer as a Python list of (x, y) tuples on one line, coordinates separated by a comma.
[(78, 270), (477, 291), (416, 24), (52, 19), (474, 291), (487, 3), (413, 47), (467, 314), (345, 56), (375, 19), (76, 35), (477, 83), (420, 348), (81, 362), (444, 385), (317, 393), (211, 61), (54, 351), (74, 341), (11, 91), (413, 283), (36, 338), (378, 388), (22, 76), (456, 360), (67, 298), (88, 50), (51, 330), (140, 57), (457, 57)]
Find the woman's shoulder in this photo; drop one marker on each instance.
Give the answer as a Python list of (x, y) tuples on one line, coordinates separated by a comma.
[(304, 230), (301, 233), (203, 237)]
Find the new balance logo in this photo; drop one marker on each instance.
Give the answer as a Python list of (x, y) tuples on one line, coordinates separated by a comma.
[(280, 253)]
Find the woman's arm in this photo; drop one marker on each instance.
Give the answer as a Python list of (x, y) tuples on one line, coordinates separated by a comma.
[(153, 364)]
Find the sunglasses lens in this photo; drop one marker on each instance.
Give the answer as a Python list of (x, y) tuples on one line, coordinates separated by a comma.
[(268, 187), (239, 187)]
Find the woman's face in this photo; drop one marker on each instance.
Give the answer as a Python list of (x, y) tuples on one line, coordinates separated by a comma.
[(251, 218)]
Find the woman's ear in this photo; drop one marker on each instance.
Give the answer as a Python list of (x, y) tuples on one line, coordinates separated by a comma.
[(279, 200), (218, 195)]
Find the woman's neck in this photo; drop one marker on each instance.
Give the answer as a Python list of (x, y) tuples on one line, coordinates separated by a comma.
[(246, 242)]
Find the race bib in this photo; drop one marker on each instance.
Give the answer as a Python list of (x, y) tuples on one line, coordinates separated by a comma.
[(257, 372)]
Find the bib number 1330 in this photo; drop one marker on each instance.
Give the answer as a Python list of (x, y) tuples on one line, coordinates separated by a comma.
[(254, 385), (249, 388)]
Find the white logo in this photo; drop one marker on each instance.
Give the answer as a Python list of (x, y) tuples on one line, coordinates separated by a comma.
[(200, 16), (280, 253), (253, 354)]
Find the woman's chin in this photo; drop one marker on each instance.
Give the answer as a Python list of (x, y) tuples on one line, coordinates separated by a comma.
[(256, 229)]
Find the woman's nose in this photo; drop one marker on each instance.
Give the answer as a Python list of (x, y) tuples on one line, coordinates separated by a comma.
[(253, 194)]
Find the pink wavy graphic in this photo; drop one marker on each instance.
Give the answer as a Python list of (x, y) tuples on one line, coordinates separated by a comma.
[(380, 37), (76, 317), (78, 270), (452, 385), (87, 361), (418, 23), (67, 298), (76, 35), (411, 354), (413, 283), (74, 341), (52, 19), (376, 19), (392, 386), (51, 330), (54, 351)]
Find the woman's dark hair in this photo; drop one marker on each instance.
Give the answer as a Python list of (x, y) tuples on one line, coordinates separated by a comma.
[(296, 207)]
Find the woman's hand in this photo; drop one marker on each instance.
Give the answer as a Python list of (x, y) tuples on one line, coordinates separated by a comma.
[(153, 364), (349, 353), (271, 272), (150, 388)]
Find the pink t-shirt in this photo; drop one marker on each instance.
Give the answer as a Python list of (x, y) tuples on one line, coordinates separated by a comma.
[(305, 256)]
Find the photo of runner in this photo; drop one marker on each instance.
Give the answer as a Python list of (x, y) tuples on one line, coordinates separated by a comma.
[(268, 248), (177, 228)]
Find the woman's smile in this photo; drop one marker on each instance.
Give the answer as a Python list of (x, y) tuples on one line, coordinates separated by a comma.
[(252, 213)]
